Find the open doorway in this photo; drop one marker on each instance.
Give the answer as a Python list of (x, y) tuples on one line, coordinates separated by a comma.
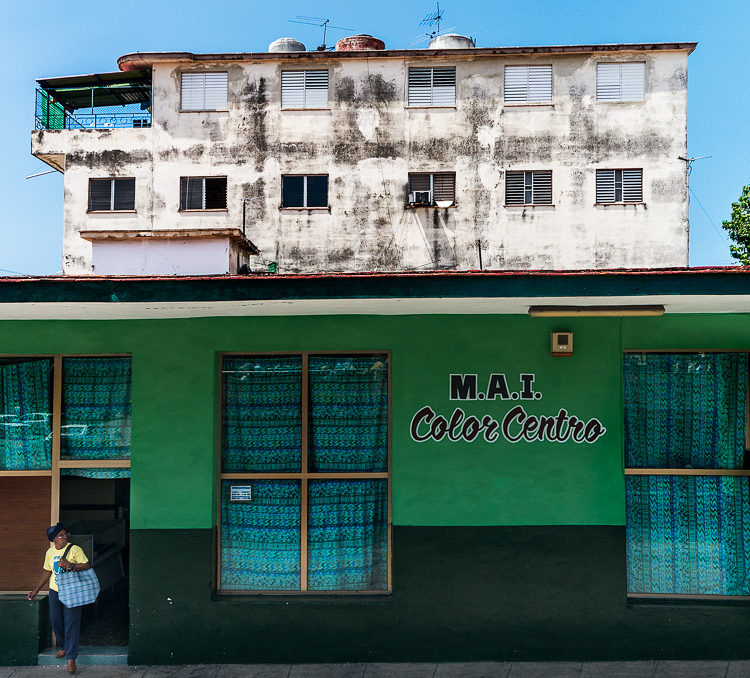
[(95, 508)]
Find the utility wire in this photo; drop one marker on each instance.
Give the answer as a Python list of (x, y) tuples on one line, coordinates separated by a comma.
[(718, 232)]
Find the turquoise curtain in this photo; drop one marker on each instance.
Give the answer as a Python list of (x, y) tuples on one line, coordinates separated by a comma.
[(98, 473), (260, 539), (685, 410), (262, 414), (688, 535), (348, 413), (26, 415), (96, 408), (348, 535)]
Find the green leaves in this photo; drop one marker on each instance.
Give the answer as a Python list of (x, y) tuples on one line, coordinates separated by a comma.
[(738, 228)]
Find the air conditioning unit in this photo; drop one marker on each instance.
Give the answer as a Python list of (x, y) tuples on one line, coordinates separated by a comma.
[(420, 198)]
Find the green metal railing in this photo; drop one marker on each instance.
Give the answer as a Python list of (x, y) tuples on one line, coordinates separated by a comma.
[(51, 114)]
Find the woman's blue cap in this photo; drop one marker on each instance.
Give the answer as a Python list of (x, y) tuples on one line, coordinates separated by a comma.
[(53, 531)]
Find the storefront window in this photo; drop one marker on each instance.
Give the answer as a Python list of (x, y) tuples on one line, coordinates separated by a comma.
[(304, 473), (687, 489)]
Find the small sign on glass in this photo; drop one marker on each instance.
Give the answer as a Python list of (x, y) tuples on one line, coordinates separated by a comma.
[(240, 493)]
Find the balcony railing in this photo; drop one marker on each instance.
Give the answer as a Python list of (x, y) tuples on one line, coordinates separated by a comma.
[(105, 108)]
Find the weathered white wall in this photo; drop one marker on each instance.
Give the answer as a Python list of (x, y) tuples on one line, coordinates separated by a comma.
[(369, 140)]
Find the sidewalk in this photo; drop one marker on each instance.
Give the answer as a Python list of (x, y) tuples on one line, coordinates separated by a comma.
[(645, 669)]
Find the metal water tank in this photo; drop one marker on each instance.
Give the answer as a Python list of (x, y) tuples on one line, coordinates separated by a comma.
[(451, 41), (359, 42), (286, 45)]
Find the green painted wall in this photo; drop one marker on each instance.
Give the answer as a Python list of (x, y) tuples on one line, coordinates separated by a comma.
[(24, 628)]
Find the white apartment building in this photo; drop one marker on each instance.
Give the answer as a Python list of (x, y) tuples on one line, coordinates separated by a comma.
[(370, 159)]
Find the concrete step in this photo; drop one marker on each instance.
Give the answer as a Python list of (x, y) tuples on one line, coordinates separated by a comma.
[(91, 655)]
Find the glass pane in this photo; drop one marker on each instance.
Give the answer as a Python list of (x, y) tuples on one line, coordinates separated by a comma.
[(348, 535), (25, 414), (688, 535), (95, 408), (98, 473), (262, 414), (292, 191), (685, 410), (348, 413), (260, 538), (317, 191)]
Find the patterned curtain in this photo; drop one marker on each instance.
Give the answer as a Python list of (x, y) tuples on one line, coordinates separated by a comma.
[(685, 410), (348, 413), (348, 535), (96, 408), (98, 473), (262, 415), (26, 415), (260, 540), (688, 535)]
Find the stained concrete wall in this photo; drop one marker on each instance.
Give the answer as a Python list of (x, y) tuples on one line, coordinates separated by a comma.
[(368, 140)]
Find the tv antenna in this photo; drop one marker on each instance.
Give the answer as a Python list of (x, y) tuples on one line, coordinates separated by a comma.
[(690, 161), (321, 23), (432, 19)]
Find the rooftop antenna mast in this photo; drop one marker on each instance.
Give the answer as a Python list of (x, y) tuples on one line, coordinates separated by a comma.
[(322, 23), (433, 19)]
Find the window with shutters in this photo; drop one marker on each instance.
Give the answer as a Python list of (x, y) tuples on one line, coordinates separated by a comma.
[(304, 190), (432, 86), (112, 195), (437, 188), (532, 187), (528, 84), (203, 193), (621, 81), (619, 186), (204, 91), (304, 89)]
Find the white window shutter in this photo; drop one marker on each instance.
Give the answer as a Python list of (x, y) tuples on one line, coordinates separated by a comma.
[(192, 91), (605, 186), (542, 187), (540, 84), (444, 86), (632, 185), (216, 91), (608, 82), (420, 86), (204, 91), (516, 84), (633, 81), (292, 89), (316, 89), (528, 84)]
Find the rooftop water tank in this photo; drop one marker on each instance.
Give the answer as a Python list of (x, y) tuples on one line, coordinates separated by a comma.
[(451, 41), (286, 45), (359, 42)]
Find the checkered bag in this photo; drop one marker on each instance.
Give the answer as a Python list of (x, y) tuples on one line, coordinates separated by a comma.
[(77, 588)]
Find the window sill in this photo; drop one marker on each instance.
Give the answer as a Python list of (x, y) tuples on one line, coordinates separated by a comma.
[(636, 101), (674, 599), (619, 204), (532, 205), (427, 108), (216, 209), (306, 109), (204, 110), (308, 209), (530, 104), (310, 598), (111, 212), (436, 207)]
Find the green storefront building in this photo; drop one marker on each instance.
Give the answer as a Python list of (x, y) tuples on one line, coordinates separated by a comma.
[(404, 467)]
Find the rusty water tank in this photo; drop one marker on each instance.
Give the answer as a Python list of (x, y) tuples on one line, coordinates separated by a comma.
[(451, 41), (286, 45), (359, 42)]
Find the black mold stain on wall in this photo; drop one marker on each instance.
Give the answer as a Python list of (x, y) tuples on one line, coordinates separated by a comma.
[(112, 160)]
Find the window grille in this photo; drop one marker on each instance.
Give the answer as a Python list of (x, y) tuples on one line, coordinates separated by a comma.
[(204, 91), (432, 86), (528, 84), (621, 185), (111, 195), (304, 89), (621, 81), (532, 187)]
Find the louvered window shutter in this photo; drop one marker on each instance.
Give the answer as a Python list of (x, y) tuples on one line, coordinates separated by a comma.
[(215, 193), (515, 193), (100, 195), (528, 84), (541, 187), (432, 86), (605, 186), (528, 188), (420, 86), (316, 89), (292, 89), (124, 194), (419, 182), (444, 186), (204, 91), (621, 81), (619, 185), (632, 185), (191, 193)]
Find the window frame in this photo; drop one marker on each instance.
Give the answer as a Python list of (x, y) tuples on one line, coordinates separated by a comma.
[(619, 99), (526, 101), (225, 107), (664, 471), (433, 201), (432, 69), (203, 195), (532, 188), (597, 201), (112, 180), (304, 106), (325, 207), (303, 476)]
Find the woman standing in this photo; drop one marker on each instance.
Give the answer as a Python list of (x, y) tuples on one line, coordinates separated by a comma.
[(66, 621)]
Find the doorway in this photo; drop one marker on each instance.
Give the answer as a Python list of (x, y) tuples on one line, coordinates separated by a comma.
[(95, 509)]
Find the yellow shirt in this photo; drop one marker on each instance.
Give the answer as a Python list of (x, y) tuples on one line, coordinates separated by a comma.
[(52, 561)]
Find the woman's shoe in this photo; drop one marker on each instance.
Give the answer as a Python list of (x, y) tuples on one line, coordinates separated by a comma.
[(60, 654), (72, 668)]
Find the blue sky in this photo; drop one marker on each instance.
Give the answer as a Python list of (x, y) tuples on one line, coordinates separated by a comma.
[(44, 39)]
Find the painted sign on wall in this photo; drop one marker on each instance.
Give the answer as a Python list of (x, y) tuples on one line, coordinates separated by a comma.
[(517, 424)]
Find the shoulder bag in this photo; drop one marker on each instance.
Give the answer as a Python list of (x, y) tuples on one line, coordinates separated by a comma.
[(76, 588)]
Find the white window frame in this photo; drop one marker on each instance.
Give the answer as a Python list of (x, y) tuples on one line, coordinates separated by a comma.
[(535, 184), (620, 81), (304, 89), (431, 86), (625, 184), (531, 84), (203, 91)]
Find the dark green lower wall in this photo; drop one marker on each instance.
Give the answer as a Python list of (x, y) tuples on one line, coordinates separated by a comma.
[(24, 629), (460, 594)]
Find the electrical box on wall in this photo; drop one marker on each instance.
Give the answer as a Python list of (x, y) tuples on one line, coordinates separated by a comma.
[(562, 344)]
